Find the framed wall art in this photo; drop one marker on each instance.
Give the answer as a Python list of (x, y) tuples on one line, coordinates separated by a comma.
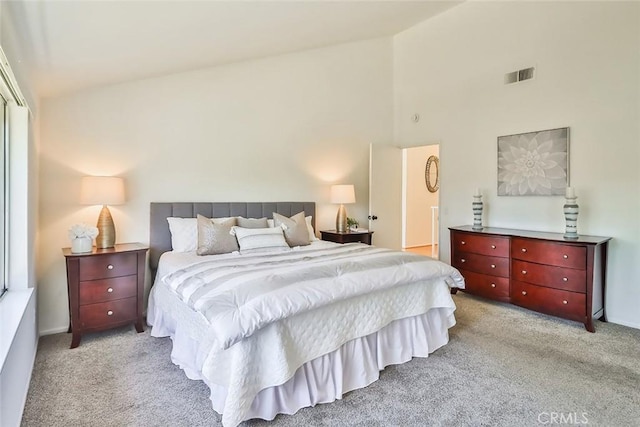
[(534, 163)]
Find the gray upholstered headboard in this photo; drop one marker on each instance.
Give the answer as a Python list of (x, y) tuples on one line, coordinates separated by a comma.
[(160, 237)]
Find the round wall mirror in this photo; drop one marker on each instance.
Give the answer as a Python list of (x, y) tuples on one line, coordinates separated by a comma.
[(432, 174)]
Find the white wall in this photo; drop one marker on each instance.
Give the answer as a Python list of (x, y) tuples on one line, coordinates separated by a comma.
[(418, 200), (281, 128), (587, 56)]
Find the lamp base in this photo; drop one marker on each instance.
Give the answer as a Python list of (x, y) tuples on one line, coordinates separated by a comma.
[(341, 220), (106, 229)]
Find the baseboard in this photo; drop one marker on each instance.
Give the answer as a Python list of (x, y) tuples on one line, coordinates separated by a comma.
[(623, 322), (419, 246), (54, 331)]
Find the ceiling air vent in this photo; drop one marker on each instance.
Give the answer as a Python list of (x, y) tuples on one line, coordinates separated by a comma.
[(519, 76)]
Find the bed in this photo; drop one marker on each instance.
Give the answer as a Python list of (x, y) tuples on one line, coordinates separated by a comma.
[(271, 332)]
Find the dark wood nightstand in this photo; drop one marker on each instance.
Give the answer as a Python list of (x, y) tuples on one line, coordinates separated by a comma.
[(347, 237), (105, 288)]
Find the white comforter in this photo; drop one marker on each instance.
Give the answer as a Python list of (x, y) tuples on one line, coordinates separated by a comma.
[(331, 294), (240, 295)]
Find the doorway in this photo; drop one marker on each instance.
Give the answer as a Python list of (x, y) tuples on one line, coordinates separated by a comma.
[(420, 199)]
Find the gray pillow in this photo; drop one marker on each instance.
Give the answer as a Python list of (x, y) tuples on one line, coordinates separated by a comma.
[(215, 237), (295, 228), (252, 222)]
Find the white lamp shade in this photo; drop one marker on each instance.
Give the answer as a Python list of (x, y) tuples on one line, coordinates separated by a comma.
[(102, 190), (344, 193)]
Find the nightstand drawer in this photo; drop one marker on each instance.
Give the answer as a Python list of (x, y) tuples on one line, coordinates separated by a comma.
[(108, 289), (485, 245), (570, 305), (105, 266), (567, 279), (549, 253), (106, 313), (493, 266)]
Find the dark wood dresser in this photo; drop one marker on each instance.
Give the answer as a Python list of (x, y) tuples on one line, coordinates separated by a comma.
[(105, 288), (536, 270)]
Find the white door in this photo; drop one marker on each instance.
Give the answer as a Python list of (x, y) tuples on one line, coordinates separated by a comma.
[(385, 195)]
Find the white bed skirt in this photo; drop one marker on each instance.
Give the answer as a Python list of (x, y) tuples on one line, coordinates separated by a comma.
[(354, 365)]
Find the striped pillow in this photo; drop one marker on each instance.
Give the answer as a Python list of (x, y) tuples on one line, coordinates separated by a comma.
[(260, 239)]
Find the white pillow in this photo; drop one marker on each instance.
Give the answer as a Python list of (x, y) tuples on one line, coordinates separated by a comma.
[(258, 239), (312, 233), (184, 232)]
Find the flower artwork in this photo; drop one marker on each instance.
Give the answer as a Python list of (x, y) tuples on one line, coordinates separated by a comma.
[(534, 163), (82, 230)]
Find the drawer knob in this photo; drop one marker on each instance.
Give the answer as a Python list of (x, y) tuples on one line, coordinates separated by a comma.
[(493, 266), (463, 260), (109, 313), (109, 267), (564, 301), (565, 256), (524, 292), (109, 290), (524, 271), (493, 285), (564, 279), (493, 246), (463, 243), (524, 249)]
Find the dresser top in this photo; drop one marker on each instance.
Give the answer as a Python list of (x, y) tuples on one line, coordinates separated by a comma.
[(118, 248), (558, 237)]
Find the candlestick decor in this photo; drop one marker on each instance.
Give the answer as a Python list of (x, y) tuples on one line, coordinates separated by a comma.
[(571, 215), (477, 211)]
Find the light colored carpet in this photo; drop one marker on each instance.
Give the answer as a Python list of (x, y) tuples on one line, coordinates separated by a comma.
[(504, 366)]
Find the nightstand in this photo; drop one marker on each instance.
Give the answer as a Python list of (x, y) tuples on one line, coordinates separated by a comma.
[(347, 237), (105, 288)]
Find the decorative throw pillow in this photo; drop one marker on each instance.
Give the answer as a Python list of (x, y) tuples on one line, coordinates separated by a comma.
[(259, 239), (214, 237), (312, 232), (252, 222), (184, 234), (295, 228)]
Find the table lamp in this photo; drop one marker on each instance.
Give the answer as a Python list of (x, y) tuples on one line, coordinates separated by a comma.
[(342, 194), (103, 190)]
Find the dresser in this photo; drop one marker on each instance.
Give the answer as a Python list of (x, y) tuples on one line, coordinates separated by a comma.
[(536, 270), (105, 288)]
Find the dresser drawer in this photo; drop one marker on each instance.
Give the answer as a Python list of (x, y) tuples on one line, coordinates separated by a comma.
[(106, 313), (105, 266), (569, 305), (485, 245), (486, 286), (493, 266), (108, 289), (566, 279), (549, 253)]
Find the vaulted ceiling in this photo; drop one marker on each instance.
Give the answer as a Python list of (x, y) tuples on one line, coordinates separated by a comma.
[(70, 45)]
